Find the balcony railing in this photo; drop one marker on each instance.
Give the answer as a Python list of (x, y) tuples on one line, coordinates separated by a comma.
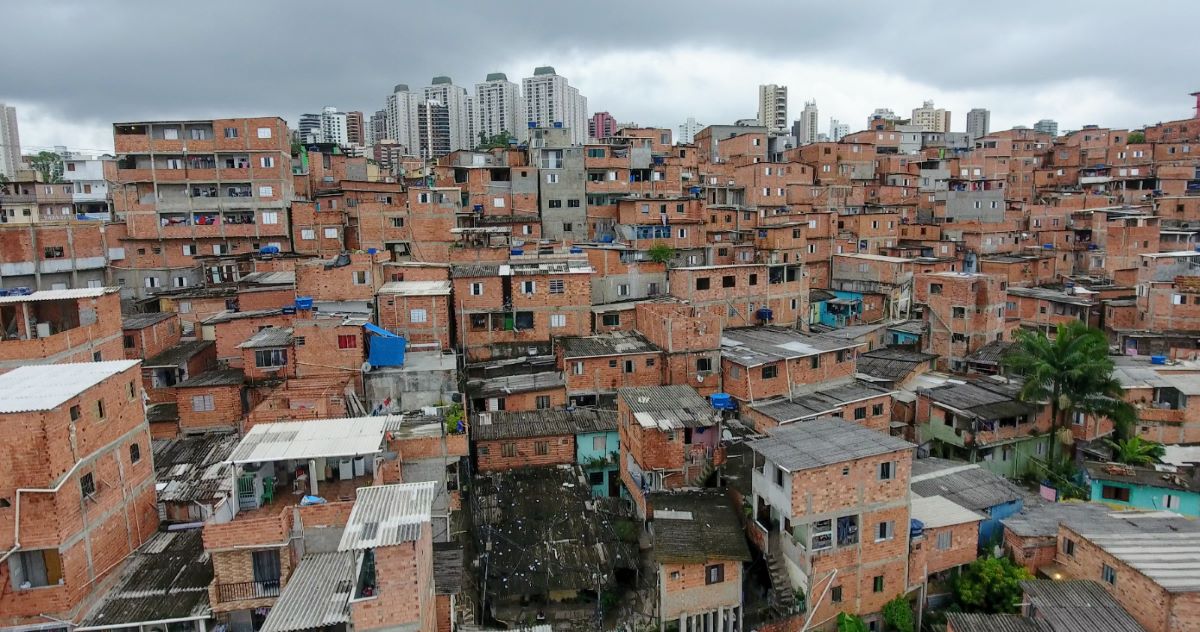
[(244, 591)]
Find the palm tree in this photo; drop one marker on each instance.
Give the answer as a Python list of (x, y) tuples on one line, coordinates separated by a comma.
[(1136, 451), (1073, 372)]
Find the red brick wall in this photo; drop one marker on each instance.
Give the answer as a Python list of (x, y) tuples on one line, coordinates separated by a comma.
[(226, 413), (395, 315), (558, 450), (606, 374), (150, 341)]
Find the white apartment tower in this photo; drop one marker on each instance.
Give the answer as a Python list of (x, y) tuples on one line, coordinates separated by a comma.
[(931, 119), (498, 108), (550, 101), (772, 107), (688, 131), (402, 123), (1046, 126), (333, 126), (808, 126), (458, 107), (838, 130), (979, 122), (10, 141)]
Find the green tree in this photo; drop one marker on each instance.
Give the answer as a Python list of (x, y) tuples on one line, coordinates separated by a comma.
[(898, 614), (1135, 138), (850, 623), (661, 252), (990, 585), (1073, 373), (498, 141), (1136, 451), (49, 165)]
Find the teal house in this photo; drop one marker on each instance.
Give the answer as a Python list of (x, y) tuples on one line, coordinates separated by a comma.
[(1138, 487), (597, 453)]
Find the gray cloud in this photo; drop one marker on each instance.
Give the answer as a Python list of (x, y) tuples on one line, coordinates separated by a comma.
[(85, 64)]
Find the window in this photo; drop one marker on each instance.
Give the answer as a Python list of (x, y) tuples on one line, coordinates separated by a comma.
[(815, 362), (417, 316), (267, 162), (702, 283), (728, 281), (551, 178), (360, 277), (704, 364), (572, 203), (877, 585), (265, 565), (135, 453), (623, 289), (578, 368), (876, 409), (171, 133), (822, 535), (543, 402), (231, 132), (944, 540), (835, 594), (611, 320), (554, 204), (887, 470), (628, 367), (1171, 501), (528, 287), (884, 531), (270, 358), (541, 447), (152, 282), (556, 286), (100, 409), (189, 250), (34, 569), (53, 252), (270, 217), (87, 484), (331, 233), (264, 132), (769, 372), (714, 574), (397, 222), (1108, 574), (1068, 547), (558, 320), (308, 234), (1111, 492), (347, 341), (935, 288), (266, 190), (202, 403), (508, 449)]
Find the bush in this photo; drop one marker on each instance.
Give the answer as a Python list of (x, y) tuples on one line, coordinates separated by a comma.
[(898, 614), (990, 585), (850, 623), (661, 252)]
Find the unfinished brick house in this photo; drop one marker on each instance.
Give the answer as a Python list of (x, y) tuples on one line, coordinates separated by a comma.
[(596, 366), (760, 363), (964, 312), (147, 335), (749, 294), (60, 326)]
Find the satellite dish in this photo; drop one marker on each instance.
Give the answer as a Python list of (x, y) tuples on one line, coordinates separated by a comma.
[(699, 378), (366, 367)]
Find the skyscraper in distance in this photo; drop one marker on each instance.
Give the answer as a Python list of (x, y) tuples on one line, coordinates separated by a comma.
[(355, 129), (10, 141), (602, 125), (458, 110), (930, 118), (550, 100), (1047, 126), (837, 130), (772, 107), (805, 129), (498, 108), (979, 121), (688, 131), (402, 125)]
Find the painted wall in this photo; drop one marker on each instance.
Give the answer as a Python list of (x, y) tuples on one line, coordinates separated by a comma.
[(1146, 497), (586, 452)]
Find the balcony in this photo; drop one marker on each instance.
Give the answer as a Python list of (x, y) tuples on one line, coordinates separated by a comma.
[(246, 591)]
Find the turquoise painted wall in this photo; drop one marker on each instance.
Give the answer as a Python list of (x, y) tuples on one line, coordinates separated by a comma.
[(587, 451), (1146, 497)]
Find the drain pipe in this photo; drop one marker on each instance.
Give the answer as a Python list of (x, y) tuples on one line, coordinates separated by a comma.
[(17, 515)]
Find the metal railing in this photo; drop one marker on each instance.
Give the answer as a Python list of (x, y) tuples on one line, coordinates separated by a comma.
[(243, 591)]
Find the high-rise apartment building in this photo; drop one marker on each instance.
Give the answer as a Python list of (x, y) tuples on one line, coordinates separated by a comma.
[(402, 117), (688, 131), (550, 101), (805, 129), (308, 129), (837, 130), (772, 107), (979, 121), (458, 111), (435, 127), (333, 126), (354, 129), (377, 129), (930, 118), (601, 125), (10, 141), (1046, 126), (498, 108)]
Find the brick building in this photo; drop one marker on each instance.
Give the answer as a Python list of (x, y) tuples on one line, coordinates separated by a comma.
[(60, 326), (768, 362), (596, 366), (964, 312)]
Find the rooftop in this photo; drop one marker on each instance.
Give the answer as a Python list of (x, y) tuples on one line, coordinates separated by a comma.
[(965, 484), (667, 407), (978, 622), (268, 337), (416, 288), (141, 321), (302, 440), (607, 344), (59, 295), (193, 468), (991, 353), (1048, 294), (223, 377), (227, 315), (179, 354), (269, 278), (1077, 605), (754, 346), (822, 442), (387, 515), (520, 268), (521, 383), (316, 596), (891, 364), (696, 526), (447, 568), (491, 426), (48, 386), (823, 399), (1164, 476), (939, 511), (983, 399)]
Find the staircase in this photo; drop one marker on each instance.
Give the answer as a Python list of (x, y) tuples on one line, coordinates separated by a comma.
[(781, 598), (706, 470)]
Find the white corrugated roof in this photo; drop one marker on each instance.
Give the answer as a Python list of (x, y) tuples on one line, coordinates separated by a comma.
[(416, 288), (386, 515), (316, 596), (56, 295), (939, 511), (1171, 560), (47, 386), (350, 436)]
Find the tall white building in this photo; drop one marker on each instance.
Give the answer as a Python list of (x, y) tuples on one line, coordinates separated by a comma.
[(930, 118), (807, 127), (308, 130), (688, 131), (838, 130), (10, 141), (333, 126), (458, 108), (772, 107), (1046, 126), (498, 108), (979, 122), (550, 100), (402, 122)]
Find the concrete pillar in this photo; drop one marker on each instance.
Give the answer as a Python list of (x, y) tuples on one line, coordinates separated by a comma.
[(739, 619), (312, 476), (683, 623), (719, 624)]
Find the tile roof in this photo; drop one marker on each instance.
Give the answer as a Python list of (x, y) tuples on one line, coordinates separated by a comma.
[(491, 426), (823, 399), (193, 468), (822, 442), (753, 346), (667, 407), (696, 527), (1077, 605), (317, 595), (47, 386), (386, 515), (141, 321), (299, 440), (965, 484), (179, 354), (59, 295), (607, 344)]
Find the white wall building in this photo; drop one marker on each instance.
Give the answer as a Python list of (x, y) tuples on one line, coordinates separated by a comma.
[(930, 118), (458, 106), (498, 108), (772, 107), (688, 131), (89, 188), (10, 141), (838, 130), (807, 128), (550, 100), (402, 122), (333, 126)]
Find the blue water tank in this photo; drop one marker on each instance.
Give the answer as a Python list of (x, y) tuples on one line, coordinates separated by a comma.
[(304, 302), (1158, 359), (532, 124), (915, 527), (20, 291), (517, 251), (765, 313), (1048, 246), (576, 251), (722, 401), (3, 292), (269, 250), (606, 239), (558, 124), (289, 310), (386, 351)]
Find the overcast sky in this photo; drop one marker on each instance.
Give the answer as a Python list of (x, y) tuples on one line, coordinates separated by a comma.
[(74, 68)]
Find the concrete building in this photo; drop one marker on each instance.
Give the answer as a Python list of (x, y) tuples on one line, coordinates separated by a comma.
[(602, 125), (688, 131), (458, 112), (90, 193), (435, 130), (354, 129), (377, 127), (308, 128), (837, 130), (562, 184), (10, 141), (402, 121), (881, 118), (806, 128), (60, 326), (772, 107), (333, 126), (551, 101), (931, 119), (1046, 126), (498, 108), (979, 122)]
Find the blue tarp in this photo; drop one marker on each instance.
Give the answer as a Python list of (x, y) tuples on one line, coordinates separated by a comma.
[(385, 347)]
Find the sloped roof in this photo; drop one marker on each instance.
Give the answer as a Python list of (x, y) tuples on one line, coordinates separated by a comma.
[(965, 484), (38, 387), (696, 527), (386, 515), (541, 423), (1077, 605), (316, 596), (821, 442)]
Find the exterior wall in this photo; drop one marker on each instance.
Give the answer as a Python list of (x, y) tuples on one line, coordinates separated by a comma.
[(341, 283), (100, 340), (747, 384), (150, 341), (605, 374), (404, 594), (964, 541), (323, 352), (88, 247), (684, 588), (559, 450), (1148, 498), (752, 289), (482, 343), (228, 334), (395, 315)]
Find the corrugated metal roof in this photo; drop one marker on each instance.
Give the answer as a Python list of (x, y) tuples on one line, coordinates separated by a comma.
[(1170, 559), (613, 343), (194, 468), (351, 436), (141, 321), (316, 596), (541, 423), (224, 377), (521, 383), (270, 278), (59, 295), (179, 354), (821, 442), (47, 386), (1077, 605), (697, 526), (269, 337), (978, 622), (667, 407), (939, 511), (386, 515), (416, 288), (824, 401), (965, 484), (753, 346)]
